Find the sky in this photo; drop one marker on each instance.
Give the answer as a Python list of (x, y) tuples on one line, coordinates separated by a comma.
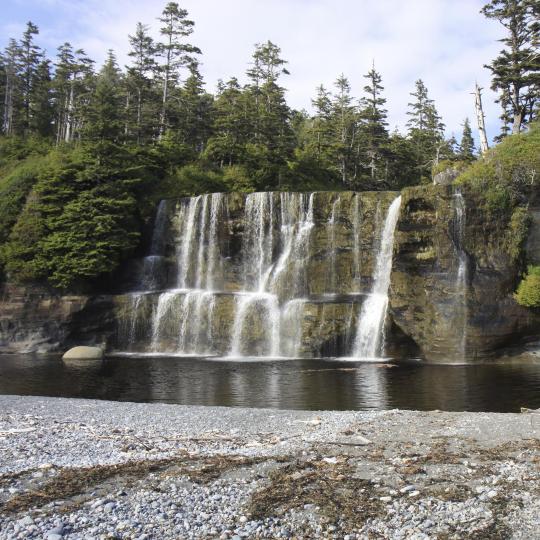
[(443, 42)]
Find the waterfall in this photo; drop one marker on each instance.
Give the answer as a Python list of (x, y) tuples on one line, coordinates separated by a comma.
[(260, 275), (460, 310), (370, 327), (331, 236), (356, 225), (271, 282)]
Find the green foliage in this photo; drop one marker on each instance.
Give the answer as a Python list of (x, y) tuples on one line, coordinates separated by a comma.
[(191, 180), (14, 188), (446, 164), (528, 292), (508, 174)]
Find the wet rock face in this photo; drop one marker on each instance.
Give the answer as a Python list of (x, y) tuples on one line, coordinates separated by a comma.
[(426, 301)]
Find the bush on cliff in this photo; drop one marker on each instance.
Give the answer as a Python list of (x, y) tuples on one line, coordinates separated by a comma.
[(528, 292), (508, 175)]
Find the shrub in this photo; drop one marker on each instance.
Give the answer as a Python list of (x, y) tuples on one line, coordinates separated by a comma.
[(528, 292)]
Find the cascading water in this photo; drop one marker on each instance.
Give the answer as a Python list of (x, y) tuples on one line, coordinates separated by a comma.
[(372, 317), (460, 308), (267, 283), (265, 275)]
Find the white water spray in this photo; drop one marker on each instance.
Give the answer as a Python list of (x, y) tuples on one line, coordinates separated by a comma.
[(370, 327)]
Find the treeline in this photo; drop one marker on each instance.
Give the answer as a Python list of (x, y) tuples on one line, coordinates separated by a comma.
[(160, 98), (87, 151)]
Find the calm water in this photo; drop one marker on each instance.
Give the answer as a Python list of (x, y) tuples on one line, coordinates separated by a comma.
[(282, 384)]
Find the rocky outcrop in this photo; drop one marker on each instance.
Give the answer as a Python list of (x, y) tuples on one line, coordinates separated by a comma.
[(425, 295), (36, 320)]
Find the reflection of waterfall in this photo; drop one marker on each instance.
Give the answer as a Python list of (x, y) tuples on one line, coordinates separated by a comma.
[(373, 314), (460, 308), (263, 274)]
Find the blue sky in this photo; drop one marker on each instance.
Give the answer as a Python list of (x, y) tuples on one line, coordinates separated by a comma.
[(444, 42)]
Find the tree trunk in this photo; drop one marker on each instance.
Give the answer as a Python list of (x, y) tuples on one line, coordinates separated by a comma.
[(484, 146)]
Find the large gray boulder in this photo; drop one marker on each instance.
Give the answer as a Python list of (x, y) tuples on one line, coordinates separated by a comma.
[(84, 353)]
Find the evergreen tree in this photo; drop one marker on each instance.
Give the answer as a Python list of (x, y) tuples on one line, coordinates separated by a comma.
[(373, 137), (345, 125), (426, 130), (103, 115), (466, 146), (41, 122), (72, 85), (176, 53), (516, 71), (269, 116), (320, 139), (230, 126), (12, 90), (139, 82), (195, 112), (30, 59)]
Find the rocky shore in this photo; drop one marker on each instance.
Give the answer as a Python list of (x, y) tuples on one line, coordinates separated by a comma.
[(93, 469)]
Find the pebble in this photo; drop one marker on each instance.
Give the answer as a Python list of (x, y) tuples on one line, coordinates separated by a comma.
[(170, 507)]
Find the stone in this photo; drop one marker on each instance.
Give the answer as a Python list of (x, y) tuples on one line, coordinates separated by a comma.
[(83, 353), (446, 177)]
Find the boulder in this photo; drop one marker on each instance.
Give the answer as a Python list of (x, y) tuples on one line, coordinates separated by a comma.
[(84, 353)]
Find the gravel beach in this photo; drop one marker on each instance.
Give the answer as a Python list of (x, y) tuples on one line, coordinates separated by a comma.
[(94, 469)]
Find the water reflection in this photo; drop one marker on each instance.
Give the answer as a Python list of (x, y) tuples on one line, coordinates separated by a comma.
[(291, 384)]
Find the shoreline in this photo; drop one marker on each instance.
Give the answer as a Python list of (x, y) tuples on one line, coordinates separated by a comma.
[(79, 468)]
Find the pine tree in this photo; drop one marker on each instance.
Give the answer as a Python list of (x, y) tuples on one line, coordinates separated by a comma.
[(30, 59), (321, 127), (104, 123), (195, 112), (230, 126), (269, 116), (72, 84), (373, 136), (12, 90), (516, 71), (139, 81), (176, 53), (466, 146), (345, 126), (41, 122), (426, 130)]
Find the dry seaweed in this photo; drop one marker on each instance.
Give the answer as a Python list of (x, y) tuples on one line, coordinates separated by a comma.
[(333, 489), (71, 482)]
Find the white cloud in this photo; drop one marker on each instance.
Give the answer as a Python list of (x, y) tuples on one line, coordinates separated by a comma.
[(444, 42)]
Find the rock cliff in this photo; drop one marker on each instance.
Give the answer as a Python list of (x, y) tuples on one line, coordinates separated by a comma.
[(450, 296)]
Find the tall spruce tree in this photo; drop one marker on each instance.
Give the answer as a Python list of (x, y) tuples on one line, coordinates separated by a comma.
[(230, 129), (345, 127), (195, 112), (12, 88), (72, 85), (176, 54), (41, 121), (30, 59), (269, 116), (426, 130), (516, 71), (466, 146), (139, 81), (373, 137)]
